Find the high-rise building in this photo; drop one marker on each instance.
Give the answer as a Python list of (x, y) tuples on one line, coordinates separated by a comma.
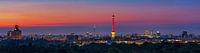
[(113, 27), (15, 34), (158, 34), (184, 34), (149, 33)]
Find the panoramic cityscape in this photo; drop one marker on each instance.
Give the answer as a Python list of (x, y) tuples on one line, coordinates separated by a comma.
[(99, 26)]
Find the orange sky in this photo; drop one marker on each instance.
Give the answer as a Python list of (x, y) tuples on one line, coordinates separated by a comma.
[(44, 14), (37, 13)]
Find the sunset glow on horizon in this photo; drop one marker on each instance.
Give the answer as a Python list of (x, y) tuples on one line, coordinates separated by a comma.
[(34, 13)]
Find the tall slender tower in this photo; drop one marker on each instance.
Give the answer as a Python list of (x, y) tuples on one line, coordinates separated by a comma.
[(94, 30), (113, 27)]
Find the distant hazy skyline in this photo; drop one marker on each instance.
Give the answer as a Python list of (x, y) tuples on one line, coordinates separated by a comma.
[(60, 16)]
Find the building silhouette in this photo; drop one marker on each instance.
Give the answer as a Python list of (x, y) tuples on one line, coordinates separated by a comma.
[(149, 33), (72, 37), (15, 34), (185, 34)]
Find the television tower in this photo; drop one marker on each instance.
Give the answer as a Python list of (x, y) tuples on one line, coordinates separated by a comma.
[(113, 27)]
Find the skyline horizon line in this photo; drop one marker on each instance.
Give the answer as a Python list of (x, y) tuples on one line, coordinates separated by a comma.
[(104, 30)]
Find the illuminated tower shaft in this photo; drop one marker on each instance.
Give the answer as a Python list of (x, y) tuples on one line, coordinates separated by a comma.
[(113, 27)]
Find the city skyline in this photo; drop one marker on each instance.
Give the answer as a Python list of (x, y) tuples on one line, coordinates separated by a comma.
[(99, 26), (133, 16)]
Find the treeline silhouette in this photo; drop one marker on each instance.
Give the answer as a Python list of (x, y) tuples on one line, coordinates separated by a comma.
[(103, 48)]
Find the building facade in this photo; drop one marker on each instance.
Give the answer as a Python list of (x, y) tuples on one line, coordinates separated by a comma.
[(15, 34)]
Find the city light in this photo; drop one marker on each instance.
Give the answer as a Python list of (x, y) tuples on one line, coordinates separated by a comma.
[(91, 26)]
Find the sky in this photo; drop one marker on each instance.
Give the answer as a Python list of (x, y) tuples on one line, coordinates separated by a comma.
[(132, 16)]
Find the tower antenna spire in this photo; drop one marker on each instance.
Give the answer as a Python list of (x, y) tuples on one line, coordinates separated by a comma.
[(94, 29), (113, 27)]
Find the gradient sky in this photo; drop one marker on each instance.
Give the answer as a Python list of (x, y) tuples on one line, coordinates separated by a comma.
[(64, 16)]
